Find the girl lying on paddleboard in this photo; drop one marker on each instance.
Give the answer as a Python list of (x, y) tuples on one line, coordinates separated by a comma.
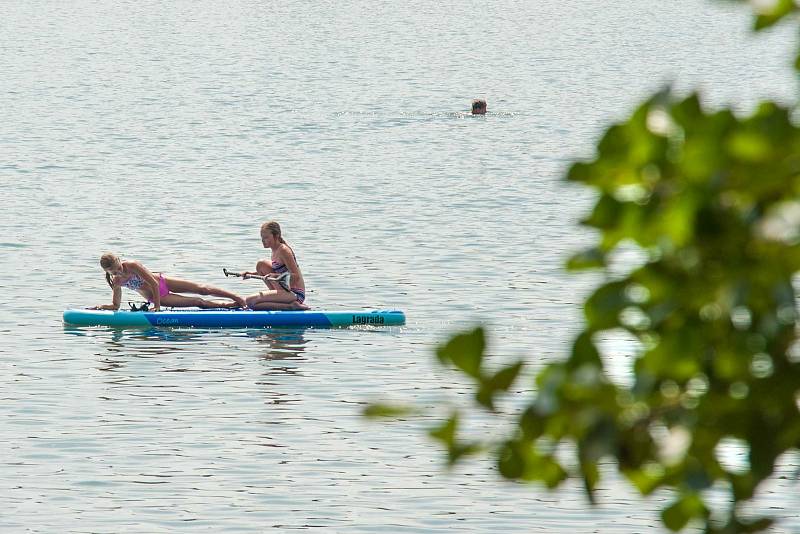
[(282, 260), (159, 289)]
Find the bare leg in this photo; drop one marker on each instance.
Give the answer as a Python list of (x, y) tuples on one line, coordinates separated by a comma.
[(264, 268), (176, 285), (182, 301), (274, 300), (279, 306)]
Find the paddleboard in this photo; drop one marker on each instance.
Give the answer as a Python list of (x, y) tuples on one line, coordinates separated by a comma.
[(221, 318)]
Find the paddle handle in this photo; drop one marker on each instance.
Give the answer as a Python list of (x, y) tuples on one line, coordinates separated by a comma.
[(243, 275), (282, 279)]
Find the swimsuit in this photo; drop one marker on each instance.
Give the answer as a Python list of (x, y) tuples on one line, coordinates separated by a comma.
[(136, 283), (301, 295), (163, 288), (278, 267)]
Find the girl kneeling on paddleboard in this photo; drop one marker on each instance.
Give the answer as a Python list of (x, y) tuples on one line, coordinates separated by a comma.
[(283, 260), (160, 290)]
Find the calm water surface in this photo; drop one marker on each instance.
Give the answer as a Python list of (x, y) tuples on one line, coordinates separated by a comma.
[(168, 132)]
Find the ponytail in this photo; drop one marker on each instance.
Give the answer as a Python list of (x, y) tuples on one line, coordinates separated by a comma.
[(106, 261)]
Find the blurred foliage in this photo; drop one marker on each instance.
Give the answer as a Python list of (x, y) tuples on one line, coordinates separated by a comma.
[(712, 201), (768, 13)]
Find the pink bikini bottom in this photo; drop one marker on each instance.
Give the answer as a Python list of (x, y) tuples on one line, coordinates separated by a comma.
[(163, 289)]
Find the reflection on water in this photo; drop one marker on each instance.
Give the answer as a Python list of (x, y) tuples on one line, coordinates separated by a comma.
[(120, 344), (155, 334), (280, 344), (177, 335), (283, 342)]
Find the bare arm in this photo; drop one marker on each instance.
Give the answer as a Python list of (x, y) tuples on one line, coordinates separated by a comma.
[(291, 264), (150, 280), (115, 300), (116, 297)]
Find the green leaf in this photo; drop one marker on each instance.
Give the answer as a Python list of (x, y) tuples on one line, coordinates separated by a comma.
[(511, 462), (606, 214), (678, 220), (584, 353), (599, 436), (446, 433), (499, 382), (519, 460), (579, 172), (602, 309), (750, 146), (386, 411), (465, 351), (645, 481), (675, 517), (689, 506), (755, 525), (530, 424), (551, 472), (770, 13), (591, 476), (591, 258)]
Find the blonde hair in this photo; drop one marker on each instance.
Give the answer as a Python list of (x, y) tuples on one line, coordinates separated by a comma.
[(273, 228), (108, 259)]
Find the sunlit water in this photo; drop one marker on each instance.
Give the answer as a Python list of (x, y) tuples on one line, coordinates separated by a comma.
[(168, 131)]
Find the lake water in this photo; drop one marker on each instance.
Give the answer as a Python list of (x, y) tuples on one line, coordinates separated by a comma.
[(169, 131)]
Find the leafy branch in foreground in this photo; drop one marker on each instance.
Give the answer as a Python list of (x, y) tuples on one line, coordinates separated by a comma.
[(712, 202)]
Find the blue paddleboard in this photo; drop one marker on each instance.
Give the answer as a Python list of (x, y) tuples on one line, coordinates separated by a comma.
[(220, 318)]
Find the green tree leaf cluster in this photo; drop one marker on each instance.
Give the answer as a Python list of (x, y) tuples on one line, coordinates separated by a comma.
[(712, 202)]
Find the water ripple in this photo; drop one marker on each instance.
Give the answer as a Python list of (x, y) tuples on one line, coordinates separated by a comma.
[(168, 132)]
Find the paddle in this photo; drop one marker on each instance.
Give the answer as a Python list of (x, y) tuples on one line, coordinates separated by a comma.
[(282, 279)]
